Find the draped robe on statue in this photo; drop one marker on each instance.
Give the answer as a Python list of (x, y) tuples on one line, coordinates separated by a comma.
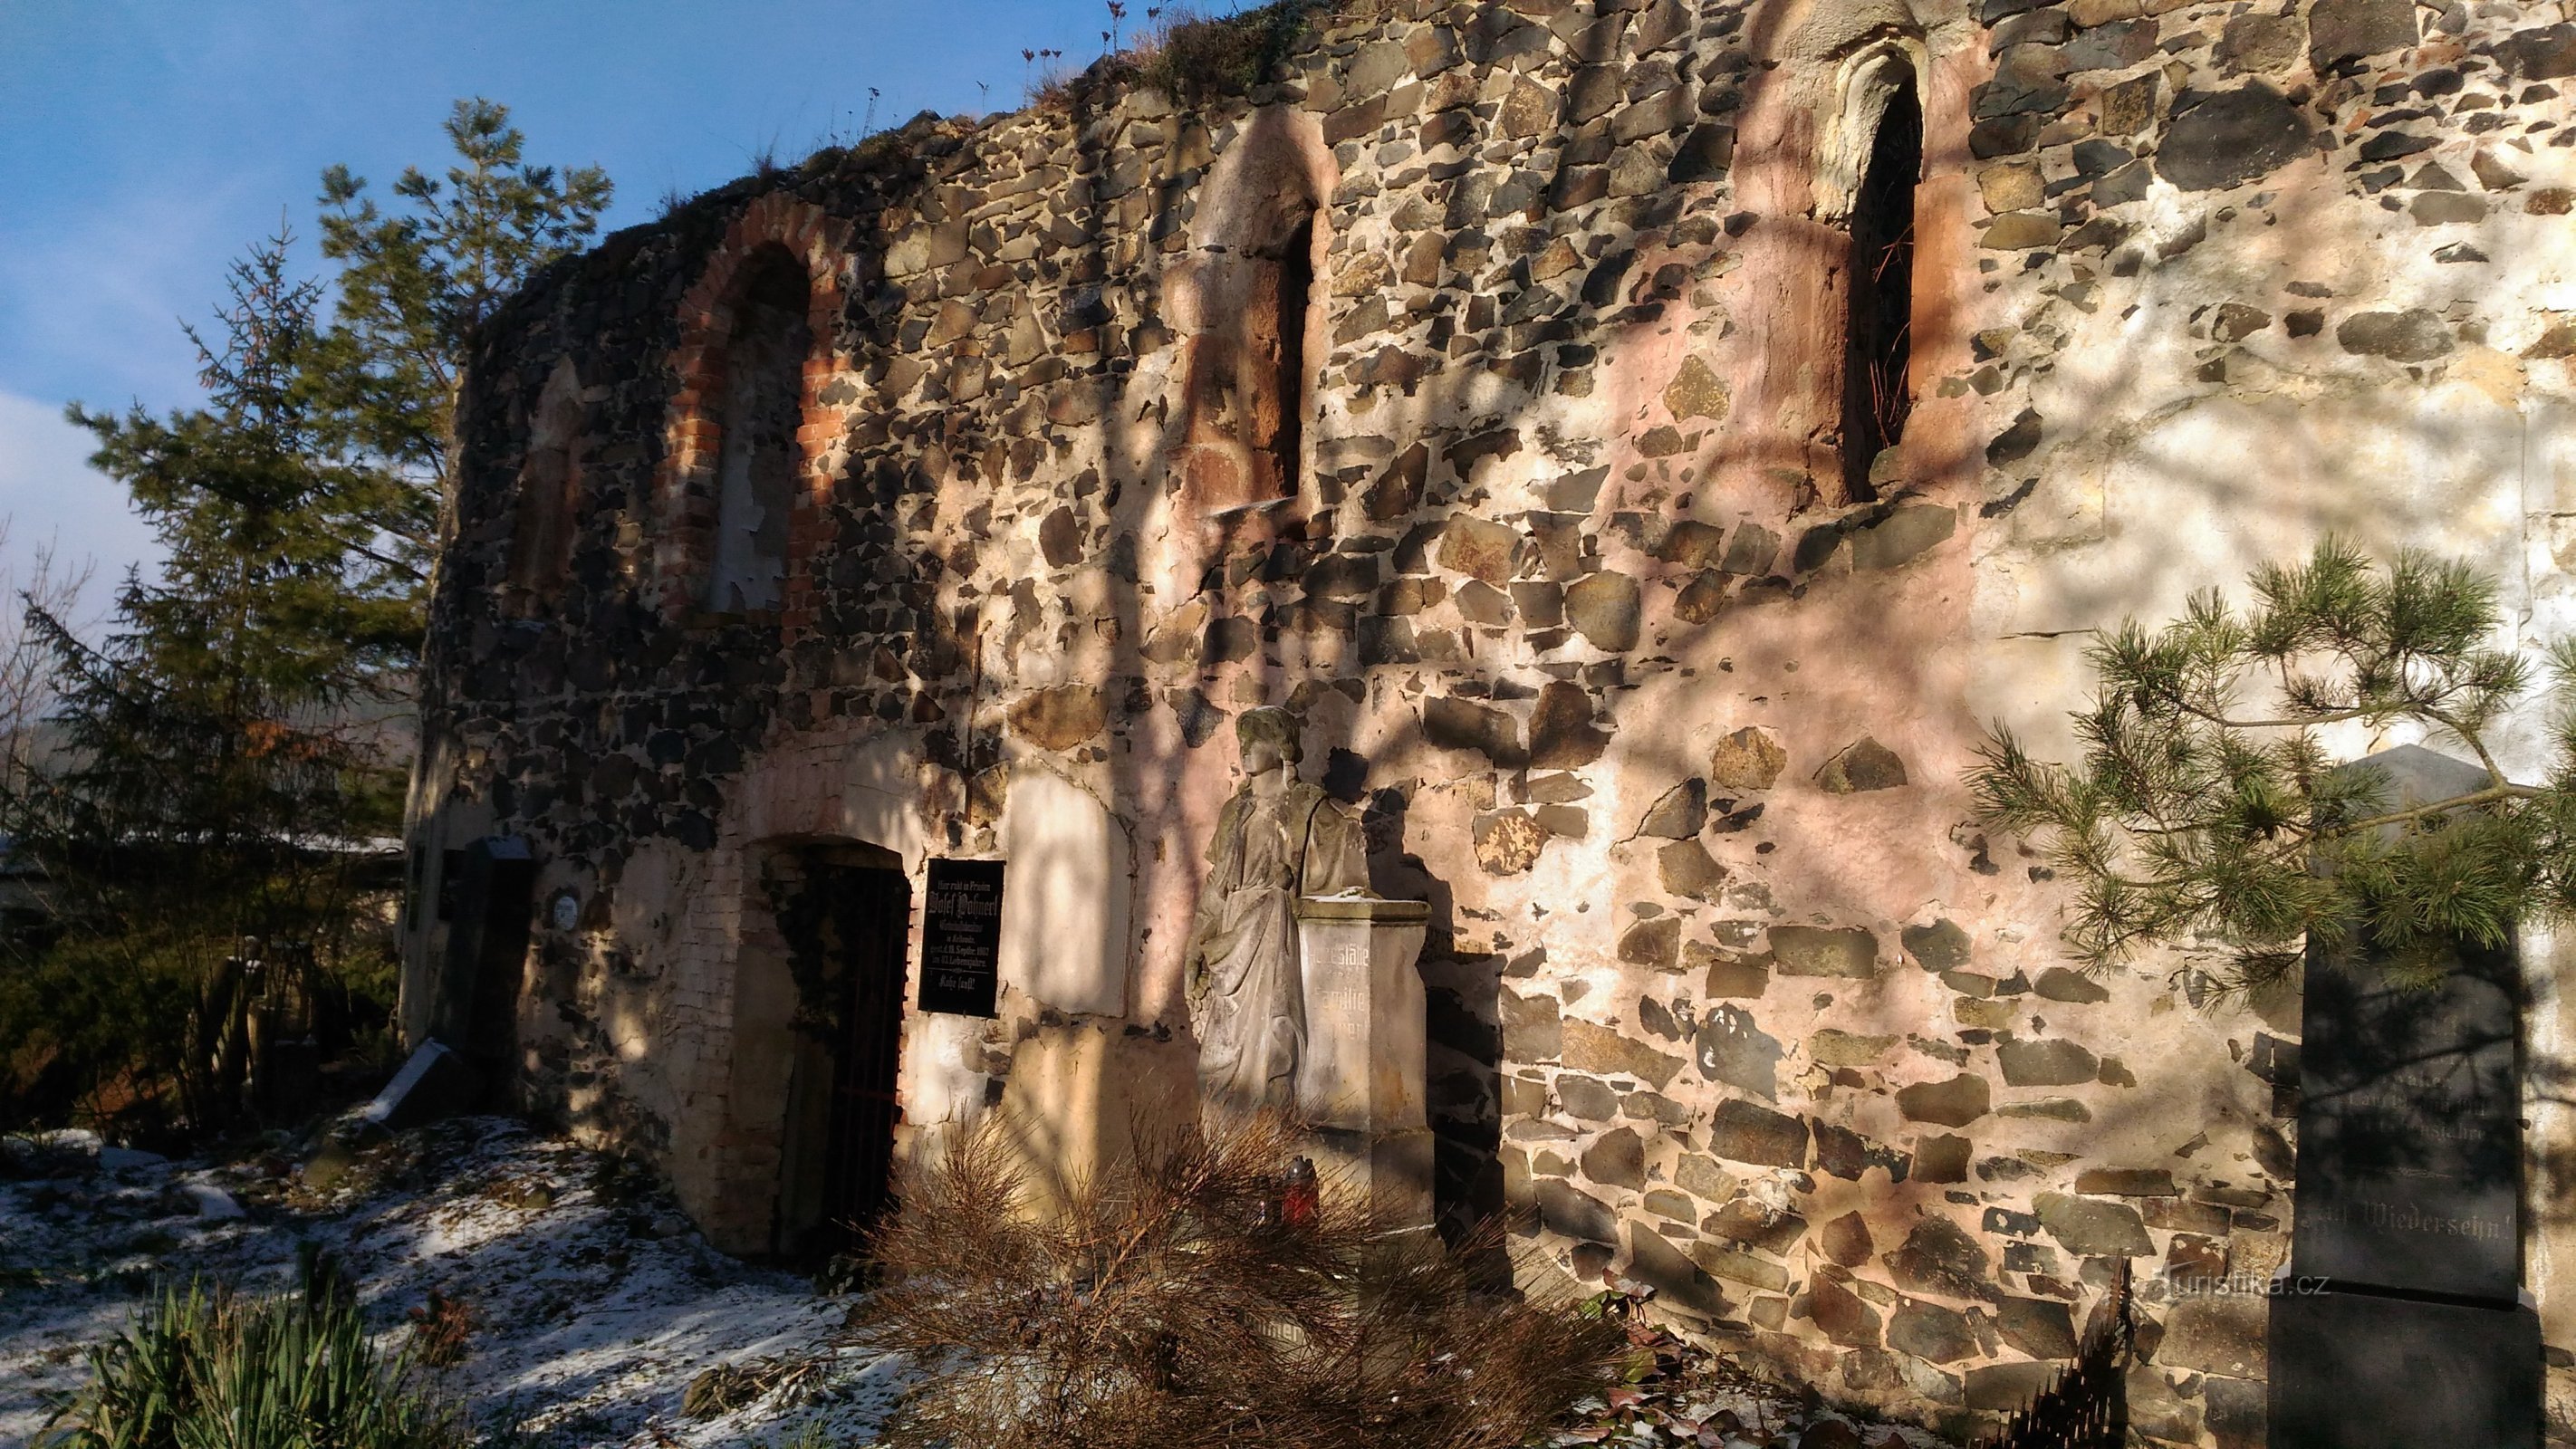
[(1247, 992)]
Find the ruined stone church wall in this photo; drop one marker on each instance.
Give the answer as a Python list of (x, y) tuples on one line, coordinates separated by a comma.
[(1567, 582)]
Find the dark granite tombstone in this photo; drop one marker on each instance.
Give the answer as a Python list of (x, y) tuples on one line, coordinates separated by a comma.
[(2402, 1322), (2354, 1370)]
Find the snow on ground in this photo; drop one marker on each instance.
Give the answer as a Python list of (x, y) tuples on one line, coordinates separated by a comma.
[(593, 1303)]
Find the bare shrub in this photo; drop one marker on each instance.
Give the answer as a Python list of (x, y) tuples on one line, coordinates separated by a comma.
[(1190, 1296), (1196, 58)]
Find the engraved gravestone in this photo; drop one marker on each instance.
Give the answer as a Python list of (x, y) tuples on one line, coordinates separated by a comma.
[(2403, 1324)]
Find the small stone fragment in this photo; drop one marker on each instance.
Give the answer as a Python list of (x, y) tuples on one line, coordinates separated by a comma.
[(1746, 761), (1863, 765)]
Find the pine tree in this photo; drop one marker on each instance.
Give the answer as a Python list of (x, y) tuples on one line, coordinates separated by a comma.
[(223, 762), (2208, 814), (414, 287)]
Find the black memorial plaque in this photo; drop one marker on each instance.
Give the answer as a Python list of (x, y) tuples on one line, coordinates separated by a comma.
[(2367, 1371), (2403, 1323), (2410, 1129), (961, 937)]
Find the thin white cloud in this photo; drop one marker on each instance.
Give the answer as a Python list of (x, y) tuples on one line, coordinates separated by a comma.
[(51, 497)]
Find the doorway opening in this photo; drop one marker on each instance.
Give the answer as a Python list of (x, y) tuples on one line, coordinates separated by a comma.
[(845, 913)]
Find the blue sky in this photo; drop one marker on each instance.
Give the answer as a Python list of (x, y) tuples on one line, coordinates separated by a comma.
[(144, 143)]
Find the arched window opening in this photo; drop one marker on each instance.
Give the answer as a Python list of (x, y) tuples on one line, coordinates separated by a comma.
[(1248, 385), (1284, 340), (757, 454), (1877, 339), (548, 506)]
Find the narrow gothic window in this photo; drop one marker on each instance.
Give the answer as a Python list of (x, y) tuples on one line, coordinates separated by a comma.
[(1285, 341), (1877, 339), (757, 449), (549, 496), (1248, 386)]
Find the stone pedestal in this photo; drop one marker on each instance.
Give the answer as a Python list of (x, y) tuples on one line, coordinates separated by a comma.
[(1360, 1082)]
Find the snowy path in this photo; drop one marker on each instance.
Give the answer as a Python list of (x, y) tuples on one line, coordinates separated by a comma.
[(593, 1303)]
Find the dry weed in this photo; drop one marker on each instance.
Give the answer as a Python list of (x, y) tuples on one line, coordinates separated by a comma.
[(1185, 1299)]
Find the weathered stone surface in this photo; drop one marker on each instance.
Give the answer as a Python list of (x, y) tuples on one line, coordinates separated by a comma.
[(1931, 1332), (1480, 548), (1685, 868), (2415, 335), (2217, 1333), (1695, 392), (1059, 718), (1606, 608), (1863, 765), (2126, 1181), (2232, 138), (2019, 231), (1509, 841), (1656, 944), (2347, 30), (2018, 440), (1742, 1132), (1586, 1099), (2011, 186), (2261, 42), (1746, 761), (1843, 1153), (1940, 946), (1941, 1158), (1610, 1053), (2053, 1063), (1898, 538), (1702, 1177), (2540, 53), (1740, 1265), (1653, 1259), (2094, 1229), (1745, 1221), (1459, 724), (1940, 1257), (1531, 1031), (1751, 549), (1840, 1314), (1562, 734), (2040, 1327), (1616, 1159), (2057, 983), (1569, 1210), (1729, 974), (1850, 952), (2116, 45), (1846, 1240), (1679, 814), (1834, 1048), (1730, 1048), (1954, 1103), (2007, 1387)]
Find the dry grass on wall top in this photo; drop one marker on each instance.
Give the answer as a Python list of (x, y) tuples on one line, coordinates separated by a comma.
[(1192, 57), (1179, 1301)]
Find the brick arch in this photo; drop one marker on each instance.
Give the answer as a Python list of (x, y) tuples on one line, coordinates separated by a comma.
[(684, 504)]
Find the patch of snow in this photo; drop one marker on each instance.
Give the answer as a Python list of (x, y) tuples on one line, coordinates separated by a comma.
[(592, 1304)]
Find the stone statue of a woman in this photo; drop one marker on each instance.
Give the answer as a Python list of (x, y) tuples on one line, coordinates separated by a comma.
[(1277, 839)]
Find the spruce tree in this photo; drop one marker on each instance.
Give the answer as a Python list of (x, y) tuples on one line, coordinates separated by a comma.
[(227, 760), (2208, 814)]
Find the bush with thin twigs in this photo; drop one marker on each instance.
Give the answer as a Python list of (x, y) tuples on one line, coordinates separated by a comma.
[(205, 1368), (1192, 57), (1195, 58), (1181, 1299)]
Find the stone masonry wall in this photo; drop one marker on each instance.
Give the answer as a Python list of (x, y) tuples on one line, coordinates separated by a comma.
[(1727, 994)]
